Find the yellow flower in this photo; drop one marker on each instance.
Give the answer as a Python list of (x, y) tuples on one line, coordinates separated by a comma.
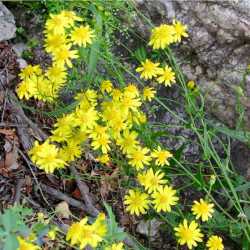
[(137, 203), (188, 234), (162, 36), (148, 93), (64, 56), (131, 91), (180, 31), (215, 243), (70, 151), (150, 180), (161, 156), (149, 69), (100, 225), (82, 36), (70, 17), (104, 159), (167, 76), (106, 86), (54, 42), (128, 102), (56, 24), (128, 141), (74, 234), (25, 89), (164, 198), (46, 156), (202, 209), (56, 74), (52, 233), (191, 85), (86, 119), (138, 157), (115, 246), (101, 142), (30, 70), (24, 245)]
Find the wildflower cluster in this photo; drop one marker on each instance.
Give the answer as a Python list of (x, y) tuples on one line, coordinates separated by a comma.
[(105, 120), (63, 32)]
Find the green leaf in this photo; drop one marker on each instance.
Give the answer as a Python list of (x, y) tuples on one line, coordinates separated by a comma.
[(11, 243), (243, 187)]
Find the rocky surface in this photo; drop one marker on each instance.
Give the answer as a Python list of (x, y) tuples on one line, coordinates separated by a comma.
[(217, 51), (7, 24)]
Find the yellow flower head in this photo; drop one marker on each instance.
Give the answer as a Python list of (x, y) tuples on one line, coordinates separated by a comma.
[(188, 234), (191, 85), (70, 151), (180, 31), (149, 69), (82, 36), (52, 233), (64, 56), (131, 91), (70, 17), (102, 143), (161, 156), (104, 159), (106, 86), (150, 180), (148, 93), (115, 246), (137, 203), (25, 245), (56, 24), (162, 36), (215, 243), (166, 76), (139, 158), (74, 234), (202, 209), (100, 225), (46, 156), (54, 42), (164, 198), (30, 70), (128, 141)]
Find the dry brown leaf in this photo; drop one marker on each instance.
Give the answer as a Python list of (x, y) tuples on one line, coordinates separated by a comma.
[(11, 156), (62, 210)]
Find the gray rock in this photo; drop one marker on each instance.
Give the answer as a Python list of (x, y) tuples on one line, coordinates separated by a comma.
[(218, 44), (7, 24), (19, 48), (149, 228)]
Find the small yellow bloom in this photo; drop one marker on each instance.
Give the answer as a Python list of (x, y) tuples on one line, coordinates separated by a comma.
[(131, 91), (56, 24), (25, 245), (137, 203), (104, 159), (52, 233), (106, 86), (149, 69), (101, 143), (180, 31), (161, 156), (82, 36), (162, 36), (148, 93), (151, 181), (138, 158), (215, 243), (166, 76), (191, 85), (127, 141), (164, 198), (64, 56), (202, 209), (115, 246), (188, 234)]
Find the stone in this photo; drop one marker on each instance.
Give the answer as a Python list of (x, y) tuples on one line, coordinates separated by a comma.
[(218, 45), (7, 24), (19, 48), (149, 228)]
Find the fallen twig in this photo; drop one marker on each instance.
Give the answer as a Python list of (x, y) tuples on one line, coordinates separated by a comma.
[(90, 208), (19, 186), (61, 196)]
